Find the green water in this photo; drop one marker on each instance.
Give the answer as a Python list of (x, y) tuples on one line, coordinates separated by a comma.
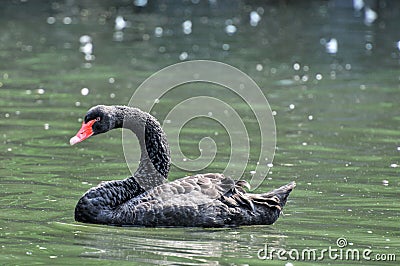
[(338, 137)]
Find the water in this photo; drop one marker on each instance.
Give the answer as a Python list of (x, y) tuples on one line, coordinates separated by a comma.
[(337, 121)]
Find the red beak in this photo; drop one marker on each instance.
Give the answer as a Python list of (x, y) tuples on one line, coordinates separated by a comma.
[(83, 133)]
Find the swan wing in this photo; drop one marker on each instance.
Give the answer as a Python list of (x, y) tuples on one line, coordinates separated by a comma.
[(209, 200), (198, 189)]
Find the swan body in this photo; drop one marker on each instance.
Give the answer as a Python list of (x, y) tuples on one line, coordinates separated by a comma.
[(206, 200)]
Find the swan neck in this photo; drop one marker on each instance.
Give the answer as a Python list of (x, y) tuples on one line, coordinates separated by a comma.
[(155, 154)]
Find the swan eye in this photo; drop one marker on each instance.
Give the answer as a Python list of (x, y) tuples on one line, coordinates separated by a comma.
[(97, 118)]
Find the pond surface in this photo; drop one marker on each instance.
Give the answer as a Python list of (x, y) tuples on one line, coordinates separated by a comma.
[(336, 111)]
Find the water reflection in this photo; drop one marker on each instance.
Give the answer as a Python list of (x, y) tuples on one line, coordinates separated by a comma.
[(331, 46), (198, 246), (255, 17), (86, 47), (236, 21)]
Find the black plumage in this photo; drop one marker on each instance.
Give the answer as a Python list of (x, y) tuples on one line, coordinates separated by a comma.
[(207, 200)]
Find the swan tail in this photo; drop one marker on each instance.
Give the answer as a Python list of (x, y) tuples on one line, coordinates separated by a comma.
[(276, 198)]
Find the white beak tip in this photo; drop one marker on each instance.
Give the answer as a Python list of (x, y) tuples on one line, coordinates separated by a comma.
[(74, 140)]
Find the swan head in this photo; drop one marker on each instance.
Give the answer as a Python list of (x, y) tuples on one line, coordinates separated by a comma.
[(99, 119)]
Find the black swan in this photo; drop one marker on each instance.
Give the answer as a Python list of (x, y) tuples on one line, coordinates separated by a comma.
[(206, 200)]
